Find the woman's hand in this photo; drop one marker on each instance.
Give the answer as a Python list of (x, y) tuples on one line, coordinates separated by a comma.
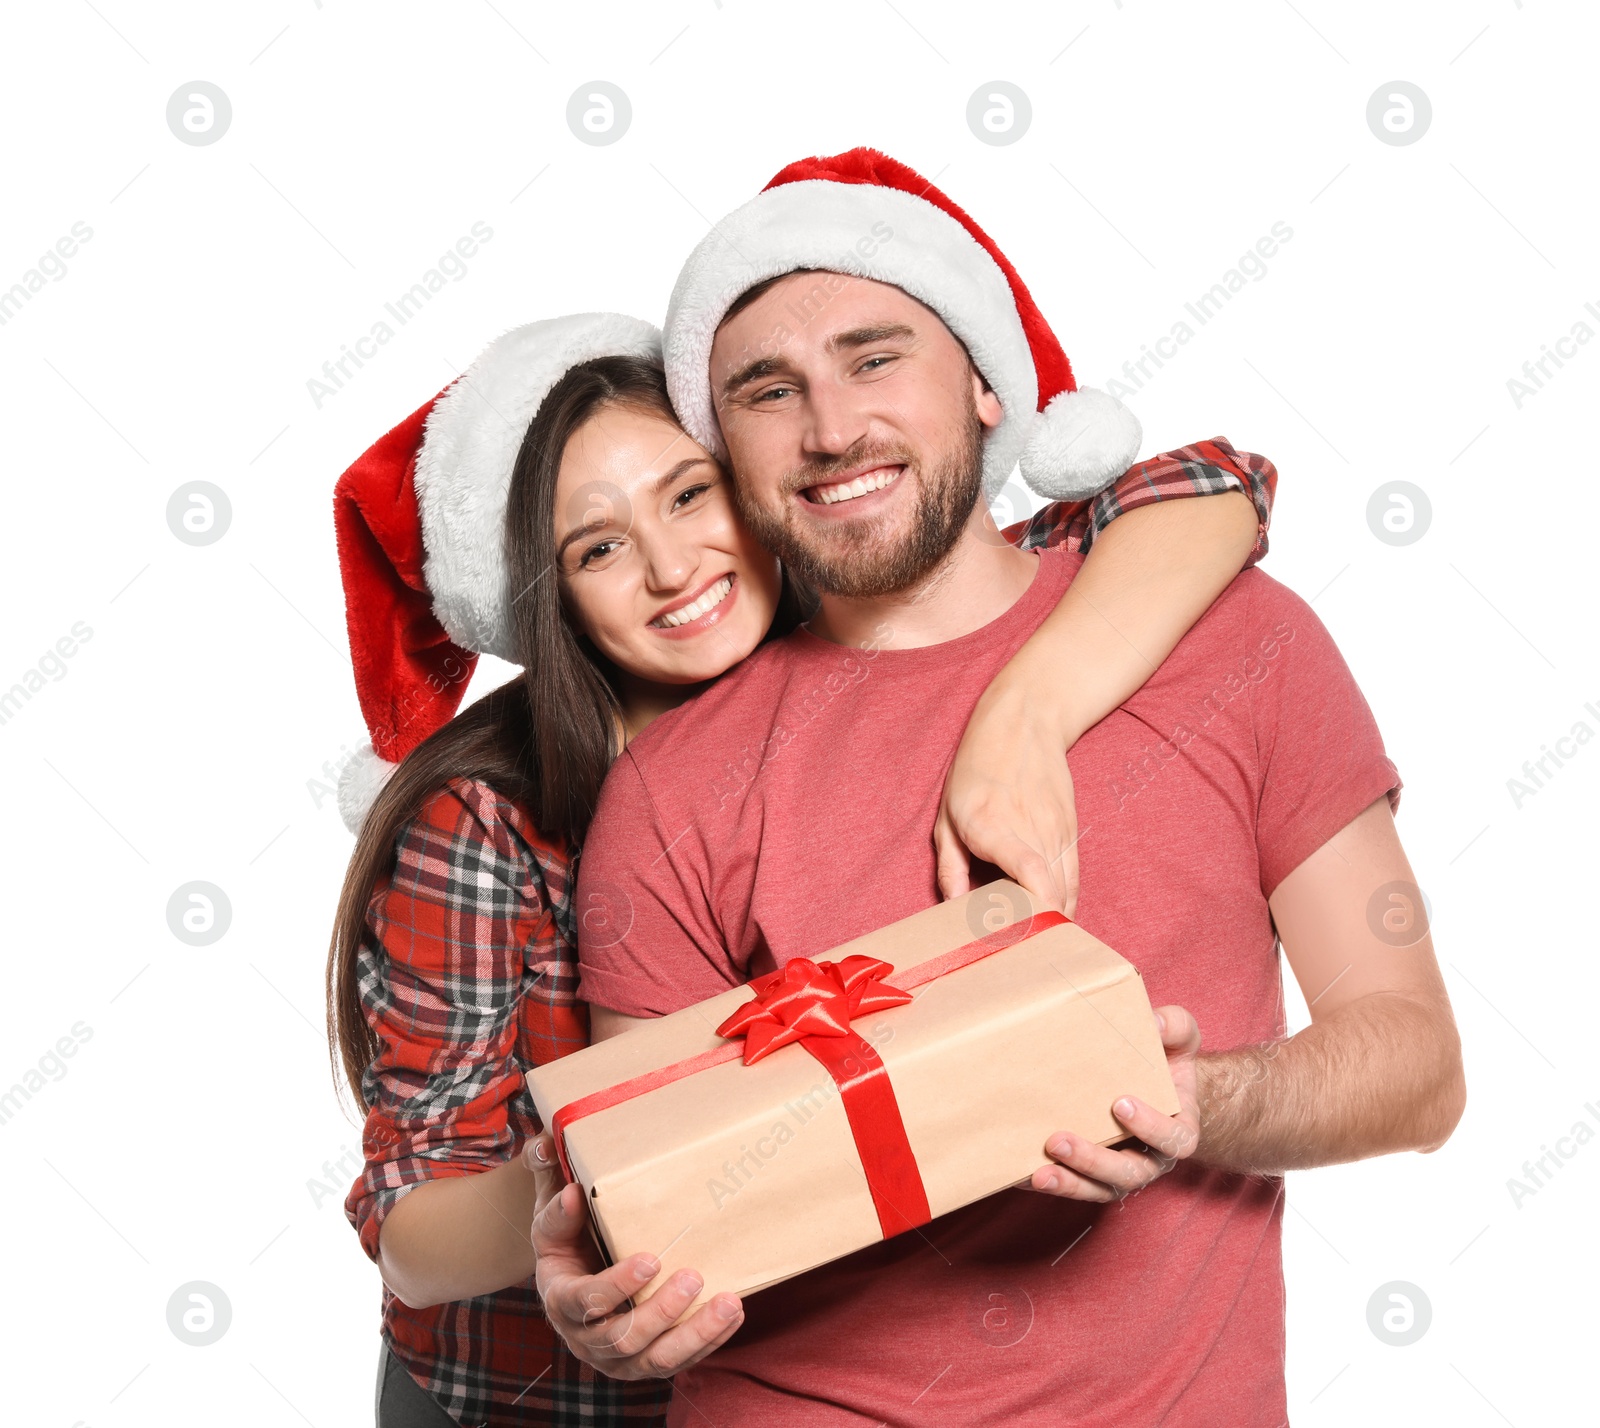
[(1008, 797), (1008, 800), (539, 1156), (593, 1310)]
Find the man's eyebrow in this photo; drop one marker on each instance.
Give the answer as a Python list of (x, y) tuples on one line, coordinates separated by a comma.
[(866, 336), (839, 342), (658, 485), (751, 372)]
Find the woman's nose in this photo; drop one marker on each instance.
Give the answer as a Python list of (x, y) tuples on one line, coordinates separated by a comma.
[(670, 563)]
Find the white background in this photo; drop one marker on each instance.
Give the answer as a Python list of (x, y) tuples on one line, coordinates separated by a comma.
[(365, 139)]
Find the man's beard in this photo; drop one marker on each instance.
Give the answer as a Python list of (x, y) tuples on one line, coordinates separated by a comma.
[(861, 560)]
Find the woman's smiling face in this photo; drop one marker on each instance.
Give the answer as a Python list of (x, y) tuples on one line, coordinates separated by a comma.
[(655, 565)]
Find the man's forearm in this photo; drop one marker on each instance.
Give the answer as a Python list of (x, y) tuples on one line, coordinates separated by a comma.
[(1379, 1075)]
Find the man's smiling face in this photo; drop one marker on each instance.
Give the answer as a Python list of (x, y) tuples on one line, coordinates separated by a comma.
[(856, 436)]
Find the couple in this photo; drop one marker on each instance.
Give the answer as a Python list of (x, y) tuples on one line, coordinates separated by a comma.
[(852, 361)]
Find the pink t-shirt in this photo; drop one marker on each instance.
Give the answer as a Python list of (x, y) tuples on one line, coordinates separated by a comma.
[(788, 809)]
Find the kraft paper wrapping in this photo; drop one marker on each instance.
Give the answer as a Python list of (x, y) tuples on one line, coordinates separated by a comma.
[(750, 1174)]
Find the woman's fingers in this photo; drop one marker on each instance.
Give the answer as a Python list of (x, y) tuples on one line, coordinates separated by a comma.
[(560, 1238), (650, 1336), (597, 1313), (629, 1340), (580, 1304), (539, 1156), (951, 861), (1005, 838), (1068, 864)]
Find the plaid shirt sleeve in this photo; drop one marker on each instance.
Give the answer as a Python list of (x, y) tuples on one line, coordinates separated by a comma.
[(463, 956), (1204, 469)]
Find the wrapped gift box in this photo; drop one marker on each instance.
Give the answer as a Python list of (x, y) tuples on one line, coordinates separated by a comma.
[(844, 1129)]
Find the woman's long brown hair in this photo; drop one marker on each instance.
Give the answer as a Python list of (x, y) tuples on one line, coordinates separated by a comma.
[(544, 740)]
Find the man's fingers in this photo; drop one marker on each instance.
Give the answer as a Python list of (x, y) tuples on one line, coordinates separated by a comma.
[(1123, 1170), (1180, 1032), (1166, 1135), (1069, 1185)]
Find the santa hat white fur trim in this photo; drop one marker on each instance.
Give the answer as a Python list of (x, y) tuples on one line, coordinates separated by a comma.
[(360, 782), (463, 471), (867, 231), (1078, 443)]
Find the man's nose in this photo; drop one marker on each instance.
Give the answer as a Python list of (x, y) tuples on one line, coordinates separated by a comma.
[(835, 419)]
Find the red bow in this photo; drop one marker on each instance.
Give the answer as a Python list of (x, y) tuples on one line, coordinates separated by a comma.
[(805, 998)]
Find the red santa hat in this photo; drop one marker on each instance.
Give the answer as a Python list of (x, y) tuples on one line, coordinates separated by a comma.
[(420, 523), (864, 214)]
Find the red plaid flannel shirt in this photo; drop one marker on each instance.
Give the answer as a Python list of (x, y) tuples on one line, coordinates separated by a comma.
[(468, 975)]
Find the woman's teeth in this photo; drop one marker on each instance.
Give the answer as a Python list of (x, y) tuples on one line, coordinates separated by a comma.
[(696, 608), (849, 490)]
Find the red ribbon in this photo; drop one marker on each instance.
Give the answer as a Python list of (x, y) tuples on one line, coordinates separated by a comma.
[(805, 999), (811, 1004)]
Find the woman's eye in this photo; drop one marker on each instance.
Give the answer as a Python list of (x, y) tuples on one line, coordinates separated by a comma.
[(688, 494), (598, 551)]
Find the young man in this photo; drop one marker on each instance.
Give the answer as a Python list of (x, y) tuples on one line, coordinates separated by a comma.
[(1241, 795)]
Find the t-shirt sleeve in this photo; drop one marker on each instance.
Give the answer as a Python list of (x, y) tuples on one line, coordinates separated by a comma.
[(1320, 756), (648, 940)]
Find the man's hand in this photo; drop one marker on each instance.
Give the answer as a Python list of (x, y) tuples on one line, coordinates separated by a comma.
[(1008, 800), (593, 1313), (1086, 1171)]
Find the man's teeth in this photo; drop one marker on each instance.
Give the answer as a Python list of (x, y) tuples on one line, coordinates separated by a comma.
[(849, 490), (695, 609)]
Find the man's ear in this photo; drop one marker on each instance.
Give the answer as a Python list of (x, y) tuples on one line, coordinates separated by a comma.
[(990, 411)]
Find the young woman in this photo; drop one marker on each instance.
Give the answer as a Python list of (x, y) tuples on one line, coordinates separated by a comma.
[(453, 959)]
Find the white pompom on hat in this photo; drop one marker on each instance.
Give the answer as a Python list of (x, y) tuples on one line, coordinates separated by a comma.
[(420, 522), (864, 214)]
